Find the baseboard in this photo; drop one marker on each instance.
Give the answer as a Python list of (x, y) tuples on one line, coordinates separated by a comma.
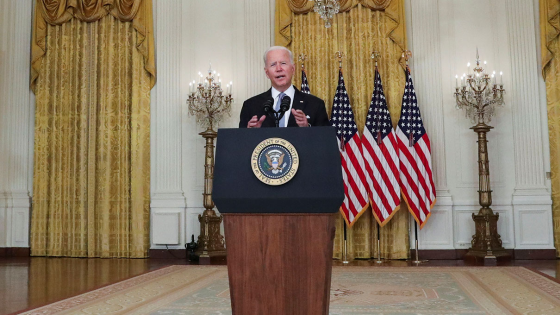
[(15, 252), (531, 254), (168, 254), (450, 254)]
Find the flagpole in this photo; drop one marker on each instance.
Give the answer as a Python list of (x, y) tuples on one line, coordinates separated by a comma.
[(345, 249), (417, 261), (379, 261)]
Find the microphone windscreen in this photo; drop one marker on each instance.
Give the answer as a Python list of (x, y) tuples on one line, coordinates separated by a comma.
[(285, 103), (268, 105)]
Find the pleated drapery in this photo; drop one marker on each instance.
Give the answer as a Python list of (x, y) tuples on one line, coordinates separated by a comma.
[(550, 51), (361, 28), (92, 79)]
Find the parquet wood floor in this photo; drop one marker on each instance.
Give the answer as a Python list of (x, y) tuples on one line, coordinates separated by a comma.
[(31, 282)]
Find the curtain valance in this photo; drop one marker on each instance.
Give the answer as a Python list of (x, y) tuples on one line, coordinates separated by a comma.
[(286, 8), (550, 30), (57, 12)]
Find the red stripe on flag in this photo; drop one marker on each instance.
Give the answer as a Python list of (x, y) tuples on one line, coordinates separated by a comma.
[(404, 149), (354, 188), (410, 186)]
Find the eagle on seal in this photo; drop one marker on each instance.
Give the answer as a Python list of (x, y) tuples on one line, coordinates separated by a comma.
[(275, 158)]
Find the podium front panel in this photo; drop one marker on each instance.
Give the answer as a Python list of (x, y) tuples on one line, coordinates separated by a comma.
[(316, 187)]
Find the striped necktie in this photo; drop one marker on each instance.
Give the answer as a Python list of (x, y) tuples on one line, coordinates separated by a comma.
[(277, 108)]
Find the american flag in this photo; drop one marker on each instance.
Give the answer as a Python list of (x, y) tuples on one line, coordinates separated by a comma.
[(304, 83), (381, 159), (350, 146), (417, 183)]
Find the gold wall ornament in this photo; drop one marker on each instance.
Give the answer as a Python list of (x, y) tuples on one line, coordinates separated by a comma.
[(478, 95), (208, 104)]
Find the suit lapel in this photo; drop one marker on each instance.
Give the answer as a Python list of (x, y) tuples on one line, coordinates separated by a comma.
[(298, 103)]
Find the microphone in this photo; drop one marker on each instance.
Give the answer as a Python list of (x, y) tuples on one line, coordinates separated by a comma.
[(285, 103), (268, 106)]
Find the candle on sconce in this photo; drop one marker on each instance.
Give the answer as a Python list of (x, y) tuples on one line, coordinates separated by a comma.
[(493, 79), (456, 81), (501, 78), (468, 67)]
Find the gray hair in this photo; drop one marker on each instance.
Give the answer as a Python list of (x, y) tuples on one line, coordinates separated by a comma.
[(278, 48)]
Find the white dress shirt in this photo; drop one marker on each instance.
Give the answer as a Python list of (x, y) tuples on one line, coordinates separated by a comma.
[(289, 92)]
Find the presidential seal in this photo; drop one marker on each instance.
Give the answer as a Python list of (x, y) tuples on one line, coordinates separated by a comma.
[(274, 161)]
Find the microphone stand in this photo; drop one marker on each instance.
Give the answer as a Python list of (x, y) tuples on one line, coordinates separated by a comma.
[(278, 116)]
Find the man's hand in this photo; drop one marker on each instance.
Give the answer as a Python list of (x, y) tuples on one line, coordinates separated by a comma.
[(300, 117), (255, 122)]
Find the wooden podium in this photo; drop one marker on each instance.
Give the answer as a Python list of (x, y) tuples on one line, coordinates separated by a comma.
[(279, 239)]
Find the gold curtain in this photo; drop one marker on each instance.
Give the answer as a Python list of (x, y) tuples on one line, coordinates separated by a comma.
[(550, 51), (360, 28), (91, 165)]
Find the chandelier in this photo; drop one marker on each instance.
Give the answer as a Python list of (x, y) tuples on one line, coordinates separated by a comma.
[(207, 101), (208, 104), (326, 9), (478, 93)]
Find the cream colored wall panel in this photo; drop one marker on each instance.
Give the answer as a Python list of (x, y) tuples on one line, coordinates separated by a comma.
[(463, 226), (20, 231), (535, 230), (438, 231), (167, 224)]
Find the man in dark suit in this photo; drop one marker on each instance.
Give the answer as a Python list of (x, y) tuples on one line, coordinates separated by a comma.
[(305, 110)]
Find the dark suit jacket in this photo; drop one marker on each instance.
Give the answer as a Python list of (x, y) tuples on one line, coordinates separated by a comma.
[(312, 106)]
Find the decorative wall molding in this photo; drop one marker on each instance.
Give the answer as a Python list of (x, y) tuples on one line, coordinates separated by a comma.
[(168, 201), (15, 132), (531, 199), (525, 100)]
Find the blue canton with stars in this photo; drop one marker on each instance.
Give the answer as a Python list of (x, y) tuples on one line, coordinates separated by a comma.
[(410, 120), (378, 120), (342, 117), (304, 83)]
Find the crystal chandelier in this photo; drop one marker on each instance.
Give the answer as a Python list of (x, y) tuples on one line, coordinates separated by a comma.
[(326, 9), (207, 101), (479, 94)]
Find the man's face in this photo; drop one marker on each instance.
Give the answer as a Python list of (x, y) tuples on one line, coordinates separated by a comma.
[(279, 69)]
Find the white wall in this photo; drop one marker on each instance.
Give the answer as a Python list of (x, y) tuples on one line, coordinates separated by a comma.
[(443, 36), (16, 123), (232, 35)]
